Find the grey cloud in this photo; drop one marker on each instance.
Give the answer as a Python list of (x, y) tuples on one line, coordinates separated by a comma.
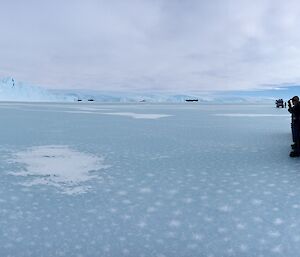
[(150, 44)]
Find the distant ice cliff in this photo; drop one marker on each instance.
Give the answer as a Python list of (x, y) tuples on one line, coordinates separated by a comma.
[(13, 90)]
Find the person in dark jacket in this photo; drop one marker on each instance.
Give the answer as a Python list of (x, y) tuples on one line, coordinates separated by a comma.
[(294, 109)]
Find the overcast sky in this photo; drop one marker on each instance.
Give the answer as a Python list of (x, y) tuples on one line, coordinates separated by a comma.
[(171, 45)]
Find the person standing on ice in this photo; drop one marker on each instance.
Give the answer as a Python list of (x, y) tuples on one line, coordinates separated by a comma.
[(294, 109)]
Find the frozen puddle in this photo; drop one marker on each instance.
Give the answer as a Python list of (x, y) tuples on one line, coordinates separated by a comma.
[(59, 166), (139, 115)]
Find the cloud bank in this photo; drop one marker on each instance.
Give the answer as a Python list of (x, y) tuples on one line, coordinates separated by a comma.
[(151, 44)]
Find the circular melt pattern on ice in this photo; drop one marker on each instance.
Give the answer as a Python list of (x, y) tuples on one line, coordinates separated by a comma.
[(59, 166)]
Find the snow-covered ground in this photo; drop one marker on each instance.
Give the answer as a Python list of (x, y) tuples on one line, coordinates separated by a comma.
[(147, 180)]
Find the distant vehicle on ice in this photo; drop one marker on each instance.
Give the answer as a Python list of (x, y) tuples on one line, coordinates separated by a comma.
[(279, 103), (191, 100)]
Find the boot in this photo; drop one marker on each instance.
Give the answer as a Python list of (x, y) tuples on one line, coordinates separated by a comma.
[(294, 154)]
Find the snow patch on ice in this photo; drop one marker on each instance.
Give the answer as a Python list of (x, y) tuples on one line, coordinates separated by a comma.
[(80, 112), (59, 166), (91, 108), (251, 115), (139, 115)]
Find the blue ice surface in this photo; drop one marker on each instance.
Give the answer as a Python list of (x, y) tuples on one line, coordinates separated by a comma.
[(210, 180)]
